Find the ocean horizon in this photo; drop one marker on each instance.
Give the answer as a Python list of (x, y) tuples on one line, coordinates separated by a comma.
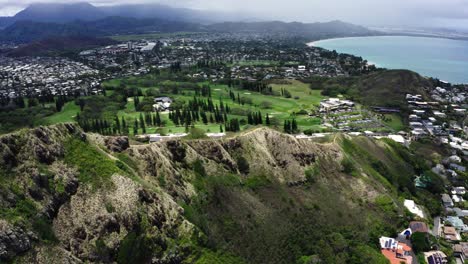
[(445, 59)]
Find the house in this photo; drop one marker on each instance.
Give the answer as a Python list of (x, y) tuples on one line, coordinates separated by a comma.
[(459, 190), (460, 251), (457, 167), (417, 226), (335, 104), (396, 252), (413, 208), (456, 222), (162, 103), (439, 114), (397, 138), (450, 234), (446, 200), (435, 257)]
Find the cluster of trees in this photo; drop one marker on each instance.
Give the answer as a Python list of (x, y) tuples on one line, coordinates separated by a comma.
[(257, 86), (285, 93), (240, 100), (204, 91), (60, 102), (199, 109), (233, 125), (102, 126), (44, 98), (254, 118), (290, 126)]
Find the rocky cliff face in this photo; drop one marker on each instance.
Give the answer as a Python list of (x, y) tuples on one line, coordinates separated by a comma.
[(68, 197)]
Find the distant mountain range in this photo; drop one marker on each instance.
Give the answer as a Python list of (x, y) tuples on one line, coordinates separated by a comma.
[(65, 13), (39, 21)]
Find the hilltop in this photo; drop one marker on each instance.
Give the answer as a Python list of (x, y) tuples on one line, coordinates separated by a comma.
[(259, 197), (386, 88)]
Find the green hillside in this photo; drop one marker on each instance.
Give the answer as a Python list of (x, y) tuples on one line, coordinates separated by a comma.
[(258, 197)]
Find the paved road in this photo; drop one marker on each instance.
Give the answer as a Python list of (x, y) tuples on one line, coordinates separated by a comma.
[(436, 228)]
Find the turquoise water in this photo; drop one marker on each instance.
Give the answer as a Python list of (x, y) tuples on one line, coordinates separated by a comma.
[(445, 59)]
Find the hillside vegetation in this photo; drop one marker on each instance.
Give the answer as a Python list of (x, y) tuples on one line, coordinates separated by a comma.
[(382, 88), (260, 197)]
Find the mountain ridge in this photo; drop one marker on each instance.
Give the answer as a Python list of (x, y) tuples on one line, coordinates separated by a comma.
[(54, 20), (183, 201)]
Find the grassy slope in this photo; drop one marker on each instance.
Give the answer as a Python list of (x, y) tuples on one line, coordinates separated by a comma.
[(336, 215), (67, 114), (265, 221), (389, 88)]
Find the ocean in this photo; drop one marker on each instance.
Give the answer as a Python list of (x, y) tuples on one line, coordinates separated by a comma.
[(445, 59)]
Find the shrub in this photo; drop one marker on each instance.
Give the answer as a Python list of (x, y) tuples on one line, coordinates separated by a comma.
[(134, 249), (256, 182), (311, 173), (196, 133), (44, 229), (243, 165), (348, 166), (198, 168)]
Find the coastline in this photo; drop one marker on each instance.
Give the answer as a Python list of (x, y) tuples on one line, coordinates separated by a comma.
[(442, 67)]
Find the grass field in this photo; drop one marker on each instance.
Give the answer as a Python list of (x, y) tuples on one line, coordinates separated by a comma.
[(67, 114), (277, 107), (394, 121)]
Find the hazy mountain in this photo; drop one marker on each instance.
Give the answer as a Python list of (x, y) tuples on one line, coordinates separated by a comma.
[(39, 21), (63, 13), (27, 31), (60, 13), (336, 28), (144, 11)]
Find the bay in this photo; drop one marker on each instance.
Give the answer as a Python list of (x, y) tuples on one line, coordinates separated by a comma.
[(445, 59)]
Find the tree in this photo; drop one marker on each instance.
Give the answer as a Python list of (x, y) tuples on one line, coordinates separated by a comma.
[(81, 102), (135, 127), (158, 119), (294, 126), (267, 120), (59, 104), (33, 102), (420, 242), (117, 124), (142, 124)]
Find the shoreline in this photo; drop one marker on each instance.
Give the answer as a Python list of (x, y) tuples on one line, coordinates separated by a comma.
[(430, 73), (312, 43)]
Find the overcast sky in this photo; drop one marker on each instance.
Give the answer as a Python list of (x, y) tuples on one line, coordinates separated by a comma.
[(434, 13)]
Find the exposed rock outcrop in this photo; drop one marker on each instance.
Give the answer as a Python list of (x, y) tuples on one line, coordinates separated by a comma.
[(13, 241), (117, 144)]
